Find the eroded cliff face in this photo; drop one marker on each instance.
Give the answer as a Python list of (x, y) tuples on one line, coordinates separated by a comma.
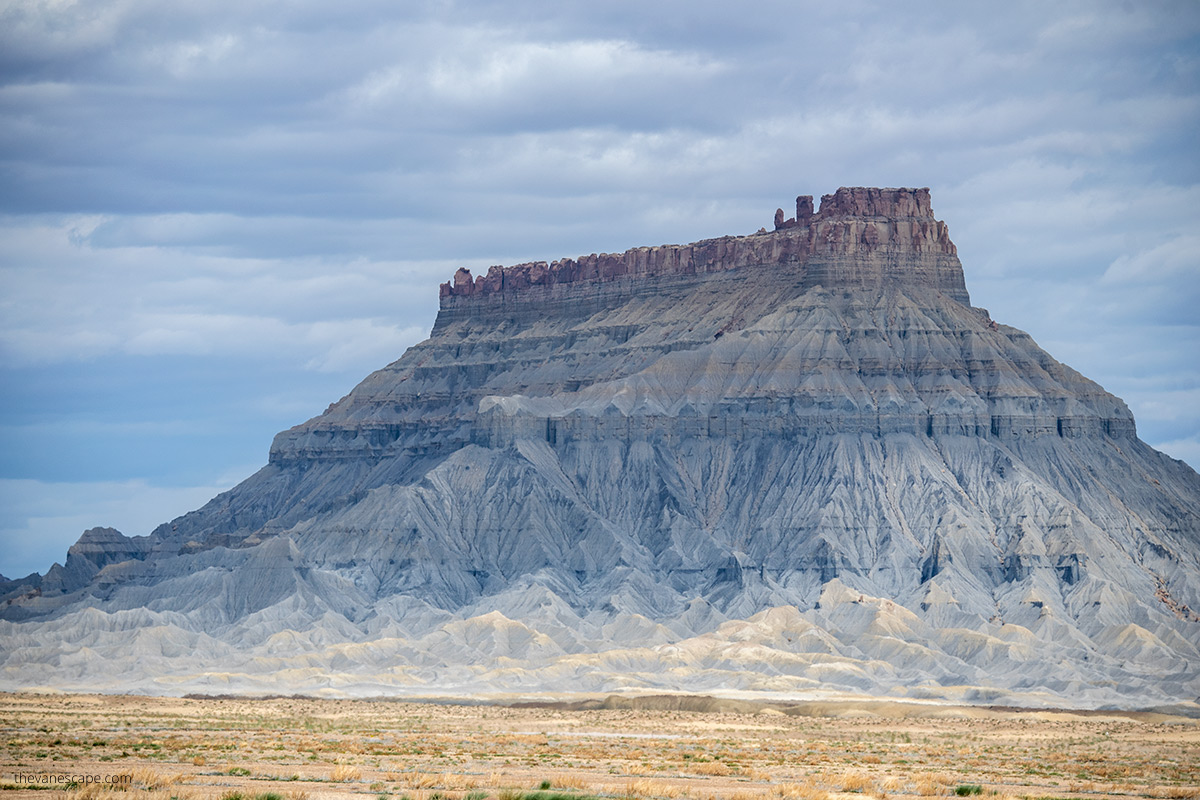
[(860, 239), (855, 319), (602, 472)]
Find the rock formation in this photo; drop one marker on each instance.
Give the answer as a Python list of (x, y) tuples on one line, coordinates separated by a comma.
[(862, 238), (791, 462)]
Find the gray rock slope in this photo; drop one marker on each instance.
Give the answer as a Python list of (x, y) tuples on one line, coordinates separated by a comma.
[(793, 462)]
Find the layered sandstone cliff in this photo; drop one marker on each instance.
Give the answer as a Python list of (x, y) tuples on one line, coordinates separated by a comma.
[(886, 310), (860, 239)]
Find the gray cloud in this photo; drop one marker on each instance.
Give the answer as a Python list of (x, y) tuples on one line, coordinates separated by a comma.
[(203, 195)]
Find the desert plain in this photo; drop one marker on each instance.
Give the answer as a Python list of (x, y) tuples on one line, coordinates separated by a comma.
[(292, 748)]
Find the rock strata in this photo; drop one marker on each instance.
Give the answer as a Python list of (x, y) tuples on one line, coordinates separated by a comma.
[(791, 462), (859, 238)]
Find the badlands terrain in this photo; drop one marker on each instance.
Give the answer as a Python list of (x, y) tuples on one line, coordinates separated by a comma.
[(652, 747), (792, 462)]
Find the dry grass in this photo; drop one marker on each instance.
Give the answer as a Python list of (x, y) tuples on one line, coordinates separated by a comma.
[(856, 782), (564, 781), (1179, 792), (361, 750), (344, 773), (926, 786), (152, 779), (800, 791), (652, 788), (710, 768), (89, 792), (419, 780), (451, 781)]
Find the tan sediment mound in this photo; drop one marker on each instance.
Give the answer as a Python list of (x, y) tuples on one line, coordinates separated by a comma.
[(842, 709)]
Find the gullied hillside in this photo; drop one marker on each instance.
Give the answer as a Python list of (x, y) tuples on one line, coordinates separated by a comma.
[(795, 461)]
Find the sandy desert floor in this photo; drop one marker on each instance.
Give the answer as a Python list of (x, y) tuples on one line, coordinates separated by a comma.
[(141, 748)]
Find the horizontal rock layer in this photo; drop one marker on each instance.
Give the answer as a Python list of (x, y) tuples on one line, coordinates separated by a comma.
[(742, 351), (860, 239)]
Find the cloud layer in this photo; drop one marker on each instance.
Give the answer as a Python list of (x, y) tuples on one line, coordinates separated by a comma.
[(215, 219)]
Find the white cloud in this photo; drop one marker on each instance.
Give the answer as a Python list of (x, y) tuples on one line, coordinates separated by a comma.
[(499, 72), (264, 188), (39, 520), (58, 27), (359, 344), (1175, 258), (187, 58), (65, 299), (1167, 405), (1187, 449)]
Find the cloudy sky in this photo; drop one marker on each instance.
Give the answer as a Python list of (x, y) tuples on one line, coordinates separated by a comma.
[(215, 218)]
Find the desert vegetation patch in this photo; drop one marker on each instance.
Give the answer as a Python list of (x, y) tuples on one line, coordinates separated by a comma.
[(93, 747)]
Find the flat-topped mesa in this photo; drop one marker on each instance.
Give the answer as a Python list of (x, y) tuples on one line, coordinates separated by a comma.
[(860, 237)]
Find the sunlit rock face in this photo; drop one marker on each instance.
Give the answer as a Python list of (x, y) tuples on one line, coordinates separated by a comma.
[(793, 462)]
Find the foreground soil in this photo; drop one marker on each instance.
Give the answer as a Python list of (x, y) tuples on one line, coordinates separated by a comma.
[(136, 748)]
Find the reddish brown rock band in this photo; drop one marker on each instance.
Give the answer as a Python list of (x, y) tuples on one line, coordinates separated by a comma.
[(852, 220)]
